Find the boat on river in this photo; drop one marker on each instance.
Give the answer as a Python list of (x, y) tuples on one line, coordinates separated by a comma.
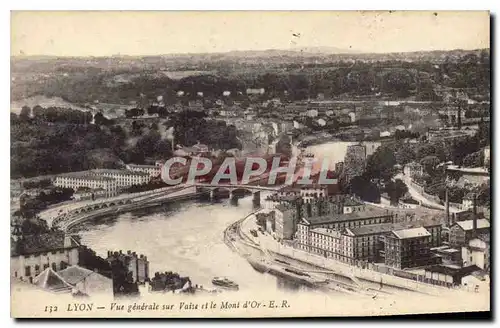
[(225, 282)]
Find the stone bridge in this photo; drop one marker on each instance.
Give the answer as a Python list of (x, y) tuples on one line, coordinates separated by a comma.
[(235, 190), (93, 207)]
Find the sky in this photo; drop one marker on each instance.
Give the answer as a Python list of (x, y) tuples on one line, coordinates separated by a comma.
[(90, 33)]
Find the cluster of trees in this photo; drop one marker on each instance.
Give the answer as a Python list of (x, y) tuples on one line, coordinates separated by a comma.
[(191, 127), (380, 165), (456, 193), (396, 189), (59, 115), (43, 183), (40, 147), (365, 189), (29, 207), (152, 185)]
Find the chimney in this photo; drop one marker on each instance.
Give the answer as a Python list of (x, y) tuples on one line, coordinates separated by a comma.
[(447, 207), (474, 217)]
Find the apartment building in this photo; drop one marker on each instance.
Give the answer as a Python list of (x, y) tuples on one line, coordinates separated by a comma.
[(123, 178), (78, 180), (408, 248), (152, 170)]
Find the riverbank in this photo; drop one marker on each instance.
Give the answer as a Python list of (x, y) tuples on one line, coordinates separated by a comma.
[(175, 196), (273, 263), (321, 272)]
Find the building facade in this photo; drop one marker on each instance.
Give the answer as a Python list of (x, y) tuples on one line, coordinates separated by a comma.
[(408, 248), (462, 232), (137, 265), (80, 180), (477, 252), (285, 217), (32, 254), (152, 170)]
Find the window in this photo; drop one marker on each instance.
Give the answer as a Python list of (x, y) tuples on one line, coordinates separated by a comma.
[(27, 271), (54, 267)]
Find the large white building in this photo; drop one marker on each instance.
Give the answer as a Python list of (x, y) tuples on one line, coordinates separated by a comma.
[(102, 179), (30, 255), (123, 178), (78, 180), (152, 170)]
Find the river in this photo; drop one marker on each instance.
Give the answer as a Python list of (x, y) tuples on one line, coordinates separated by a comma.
[(184, 237), (187, 237)]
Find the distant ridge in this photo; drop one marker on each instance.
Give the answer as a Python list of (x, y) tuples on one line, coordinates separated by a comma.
[(293, 52)]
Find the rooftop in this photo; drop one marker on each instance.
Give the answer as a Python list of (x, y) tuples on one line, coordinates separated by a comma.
[(84, 175), (347, 217), (145, 166), (42, 243), (371, 229), (328, 232), (74, 274), (453, 271), (119, 172), (468, 225), (411, 233), (51, 280)]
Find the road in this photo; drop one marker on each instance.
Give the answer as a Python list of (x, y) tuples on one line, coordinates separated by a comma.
[(415, 194)]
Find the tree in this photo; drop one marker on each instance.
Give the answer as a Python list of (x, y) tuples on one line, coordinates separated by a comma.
[(380, 165), (475, 159), (365, 189), (13, 118), (405, 153), (25, 113), (429, 163), (396, 190)]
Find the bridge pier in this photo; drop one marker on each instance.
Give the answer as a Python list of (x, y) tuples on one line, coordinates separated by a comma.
[(233, 198), (256, 198)]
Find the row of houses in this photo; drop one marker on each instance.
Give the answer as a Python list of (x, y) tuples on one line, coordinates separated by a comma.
[(342, 228)]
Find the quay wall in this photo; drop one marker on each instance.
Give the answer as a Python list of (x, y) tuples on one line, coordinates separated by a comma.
[(72, 222)]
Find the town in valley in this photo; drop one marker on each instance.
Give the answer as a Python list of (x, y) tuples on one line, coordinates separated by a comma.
[(407, 136)]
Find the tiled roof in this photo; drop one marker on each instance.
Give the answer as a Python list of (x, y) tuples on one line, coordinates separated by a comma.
[(42, 243)]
